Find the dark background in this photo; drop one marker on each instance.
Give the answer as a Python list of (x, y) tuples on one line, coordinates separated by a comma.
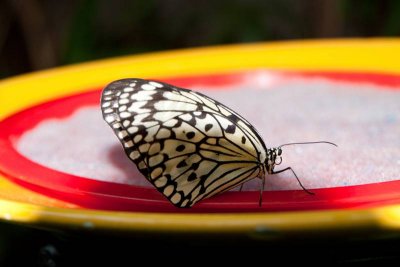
[(39, 34)]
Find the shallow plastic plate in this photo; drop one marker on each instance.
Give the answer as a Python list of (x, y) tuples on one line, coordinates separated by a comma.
[(38, 195)]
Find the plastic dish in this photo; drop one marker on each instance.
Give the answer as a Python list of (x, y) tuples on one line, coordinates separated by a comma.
[(38, 195)]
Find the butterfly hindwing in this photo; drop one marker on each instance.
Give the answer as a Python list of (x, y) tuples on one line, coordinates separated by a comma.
[(186, 144)]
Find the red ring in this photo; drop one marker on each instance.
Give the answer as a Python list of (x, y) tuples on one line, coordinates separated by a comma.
[(95, 194)]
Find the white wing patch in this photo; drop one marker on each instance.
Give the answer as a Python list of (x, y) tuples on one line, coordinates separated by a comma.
[(189, 146)]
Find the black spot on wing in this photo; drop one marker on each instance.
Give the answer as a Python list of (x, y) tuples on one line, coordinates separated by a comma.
[(195, 166), (182, 164), (192, 177), (190, 135), (208, 127), (180, 148), (230, 129), (233, 118)]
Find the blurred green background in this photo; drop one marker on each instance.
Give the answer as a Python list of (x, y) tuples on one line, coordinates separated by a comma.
[(39, 34)]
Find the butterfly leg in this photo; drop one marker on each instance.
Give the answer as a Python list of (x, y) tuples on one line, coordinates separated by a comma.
[(241, 187), (261, 191), (298, 180)]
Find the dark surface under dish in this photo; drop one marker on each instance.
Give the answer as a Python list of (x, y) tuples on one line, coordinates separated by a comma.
[(27, 246)]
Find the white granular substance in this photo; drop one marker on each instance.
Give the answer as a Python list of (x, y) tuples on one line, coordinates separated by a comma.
[(362, 119)]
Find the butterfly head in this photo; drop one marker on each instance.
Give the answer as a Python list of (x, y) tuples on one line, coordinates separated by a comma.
[(273, 158)]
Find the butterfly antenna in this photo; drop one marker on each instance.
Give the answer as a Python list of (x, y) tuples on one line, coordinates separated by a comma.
[(289, 168), (307, 143)]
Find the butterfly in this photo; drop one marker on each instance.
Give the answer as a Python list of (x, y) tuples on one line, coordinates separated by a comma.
[(188, 145)]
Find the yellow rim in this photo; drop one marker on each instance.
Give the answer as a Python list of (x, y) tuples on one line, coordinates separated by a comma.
[(367, 55)]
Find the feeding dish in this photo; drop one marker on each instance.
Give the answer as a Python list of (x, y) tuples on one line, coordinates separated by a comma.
[(38, 191)]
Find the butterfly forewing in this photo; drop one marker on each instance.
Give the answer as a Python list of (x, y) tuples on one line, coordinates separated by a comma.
[(186, 144)]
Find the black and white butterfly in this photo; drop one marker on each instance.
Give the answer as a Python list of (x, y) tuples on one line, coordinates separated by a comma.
[(189, 146)]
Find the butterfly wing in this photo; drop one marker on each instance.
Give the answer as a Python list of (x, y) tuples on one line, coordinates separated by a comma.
[(189, 146)]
